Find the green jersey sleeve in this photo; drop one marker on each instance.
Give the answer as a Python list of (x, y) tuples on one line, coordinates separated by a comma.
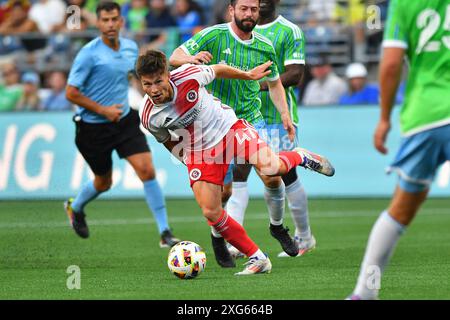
[(395, 33), (270, 55), (200, 41), (294, 47), (274, 75)]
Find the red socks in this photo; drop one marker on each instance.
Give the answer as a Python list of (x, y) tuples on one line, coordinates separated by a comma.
[(235, 234), (290, 159)]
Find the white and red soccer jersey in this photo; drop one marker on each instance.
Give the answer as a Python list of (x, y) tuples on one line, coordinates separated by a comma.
[(194, 114)]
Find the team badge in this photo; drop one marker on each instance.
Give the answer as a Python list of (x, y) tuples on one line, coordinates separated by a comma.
[(192, 96), (195, 174)]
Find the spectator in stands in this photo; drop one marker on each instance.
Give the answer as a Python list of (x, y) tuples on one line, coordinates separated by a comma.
[(57, 101), (189, 17), (47, 14), (318, 34), (30, 100), (16, 19), (136, 15), (326, 87), (323, 10), (159, 17), (353, 14), (4, 10), (10, 90), (359, 91), (42, 16), (61, 42), (71, 24)]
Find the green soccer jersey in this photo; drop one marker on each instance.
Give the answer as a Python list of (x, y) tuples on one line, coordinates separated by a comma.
[(289, 44), (227, 48), (422, 28)]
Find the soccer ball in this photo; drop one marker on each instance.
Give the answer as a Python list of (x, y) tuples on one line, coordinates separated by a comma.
[(186, 260)]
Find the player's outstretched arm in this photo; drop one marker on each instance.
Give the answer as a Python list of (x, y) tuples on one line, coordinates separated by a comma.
[(224, 71), (179, 57)]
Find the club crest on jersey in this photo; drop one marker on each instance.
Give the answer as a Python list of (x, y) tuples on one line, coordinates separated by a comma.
[(195, 174), (192, 96)]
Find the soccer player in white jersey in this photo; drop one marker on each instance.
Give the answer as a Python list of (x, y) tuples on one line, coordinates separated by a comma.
[(237, 45), (209, 137)]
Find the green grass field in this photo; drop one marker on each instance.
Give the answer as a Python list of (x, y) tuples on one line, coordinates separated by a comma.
[(122, 259)]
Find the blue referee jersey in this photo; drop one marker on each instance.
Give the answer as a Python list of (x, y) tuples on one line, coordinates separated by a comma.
[(101, 74)]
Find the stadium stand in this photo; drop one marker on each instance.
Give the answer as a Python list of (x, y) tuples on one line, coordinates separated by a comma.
[(346, 30)]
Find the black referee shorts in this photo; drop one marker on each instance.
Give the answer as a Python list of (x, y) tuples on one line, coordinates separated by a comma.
[(96, 141)]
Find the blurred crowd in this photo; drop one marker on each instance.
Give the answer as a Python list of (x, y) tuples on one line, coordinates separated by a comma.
[(34, 33)]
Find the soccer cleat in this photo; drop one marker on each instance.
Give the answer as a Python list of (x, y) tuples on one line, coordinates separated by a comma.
[(77, 220), (282, 235), (167, 239), (223, 257), (304, 246), (315, 162), (255, 266), (356, 297), (235, 253), (353, 297)]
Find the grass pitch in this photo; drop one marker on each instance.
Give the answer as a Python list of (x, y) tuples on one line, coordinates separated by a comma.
[(122, 259)]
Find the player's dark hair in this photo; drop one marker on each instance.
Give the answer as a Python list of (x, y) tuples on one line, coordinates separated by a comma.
[(107, 6), (151, 62), (233, 2)]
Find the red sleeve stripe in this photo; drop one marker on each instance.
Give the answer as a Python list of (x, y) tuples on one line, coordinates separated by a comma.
[(146, 113), (186, 73), (178, 71)]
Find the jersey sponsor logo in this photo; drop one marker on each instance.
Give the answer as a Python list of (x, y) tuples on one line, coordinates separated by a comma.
[(192, 45), (243, 68), (192, 96), (195, 174)]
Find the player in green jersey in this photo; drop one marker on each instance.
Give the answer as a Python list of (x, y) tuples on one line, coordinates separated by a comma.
[(289, 43), (421, 31), (237, 45)]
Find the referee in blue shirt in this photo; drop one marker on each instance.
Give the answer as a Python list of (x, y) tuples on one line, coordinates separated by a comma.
[(98, 85)]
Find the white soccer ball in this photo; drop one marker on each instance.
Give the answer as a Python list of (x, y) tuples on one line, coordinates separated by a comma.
[(186, 260)]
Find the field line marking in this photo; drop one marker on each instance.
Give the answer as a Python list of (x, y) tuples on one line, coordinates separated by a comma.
[(199, 218)]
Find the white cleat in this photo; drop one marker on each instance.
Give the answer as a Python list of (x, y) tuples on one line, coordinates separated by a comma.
[(304, 246), (235, 253), (356, 297), (315, 162), (255, 266)]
